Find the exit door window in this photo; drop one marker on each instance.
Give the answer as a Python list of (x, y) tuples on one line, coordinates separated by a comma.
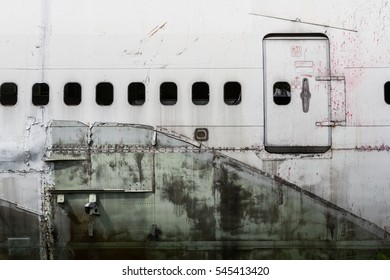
[(387, 92), (282, 93)]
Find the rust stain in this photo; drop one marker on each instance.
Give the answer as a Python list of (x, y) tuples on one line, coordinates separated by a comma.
[(180, 193), (234, 201), (220, 206), (138, 158)]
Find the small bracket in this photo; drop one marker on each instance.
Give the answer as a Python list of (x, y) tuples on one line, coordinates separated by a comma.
[(91, 208), (60, 198), (92, 198), (330, 124), (330, 78)]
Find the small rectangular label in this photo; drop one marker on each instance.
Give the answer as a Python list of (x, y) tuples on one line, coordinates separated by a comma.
[(304, 67), (304, 64)]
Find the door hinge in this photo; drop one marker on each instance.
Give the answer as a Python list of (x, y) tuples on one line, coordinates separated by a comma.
[(330, 123), (330, 78)]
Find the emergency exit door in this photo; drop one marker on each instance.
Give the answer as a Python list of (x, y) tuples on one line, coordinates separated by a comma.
[(296, 96)]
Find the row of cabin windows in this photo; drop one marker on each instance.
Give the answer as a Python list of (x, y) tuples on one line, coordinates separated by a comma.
[(135, 94), (282, 93)]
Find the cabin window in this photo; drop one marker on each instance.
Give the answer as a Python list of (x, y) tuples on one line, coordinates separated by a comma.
[(168, 93), (8, 94), (387, 92), (104, 94), (282, 93), (40, 94), (200, 93), (136, 94), (72, 94), (232, 93)]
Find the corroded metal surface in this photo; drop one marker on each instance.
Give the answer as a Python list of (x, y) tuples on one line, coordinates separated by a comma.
[(152, 191), (19, 232), (193, 203)]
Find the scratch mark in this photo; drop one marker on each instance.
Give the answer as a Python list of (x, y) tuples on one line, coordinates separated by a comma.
[(147, 79), (156, 29), (298, 20), (180, 53), (186, 48), (132, 53)]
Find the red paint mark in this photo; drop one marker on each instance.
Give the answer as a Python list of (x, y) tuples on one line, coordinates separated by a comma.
[(296, 51), (296, 84)]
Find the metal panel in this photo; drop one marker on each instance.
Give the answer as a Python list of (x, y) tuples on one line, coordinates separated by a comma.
[(71, 175), (291, 65), (125, 134), (68, 132), (206, 202), (123, 171), (97, 156)]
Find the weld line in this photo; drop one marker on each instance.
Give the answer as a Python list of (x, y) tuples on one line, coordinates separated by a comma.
[(297, 20)]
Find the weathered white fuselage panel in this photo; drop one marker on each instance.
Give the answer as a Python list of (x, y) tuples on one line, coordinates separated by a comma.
[(291, 115)]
